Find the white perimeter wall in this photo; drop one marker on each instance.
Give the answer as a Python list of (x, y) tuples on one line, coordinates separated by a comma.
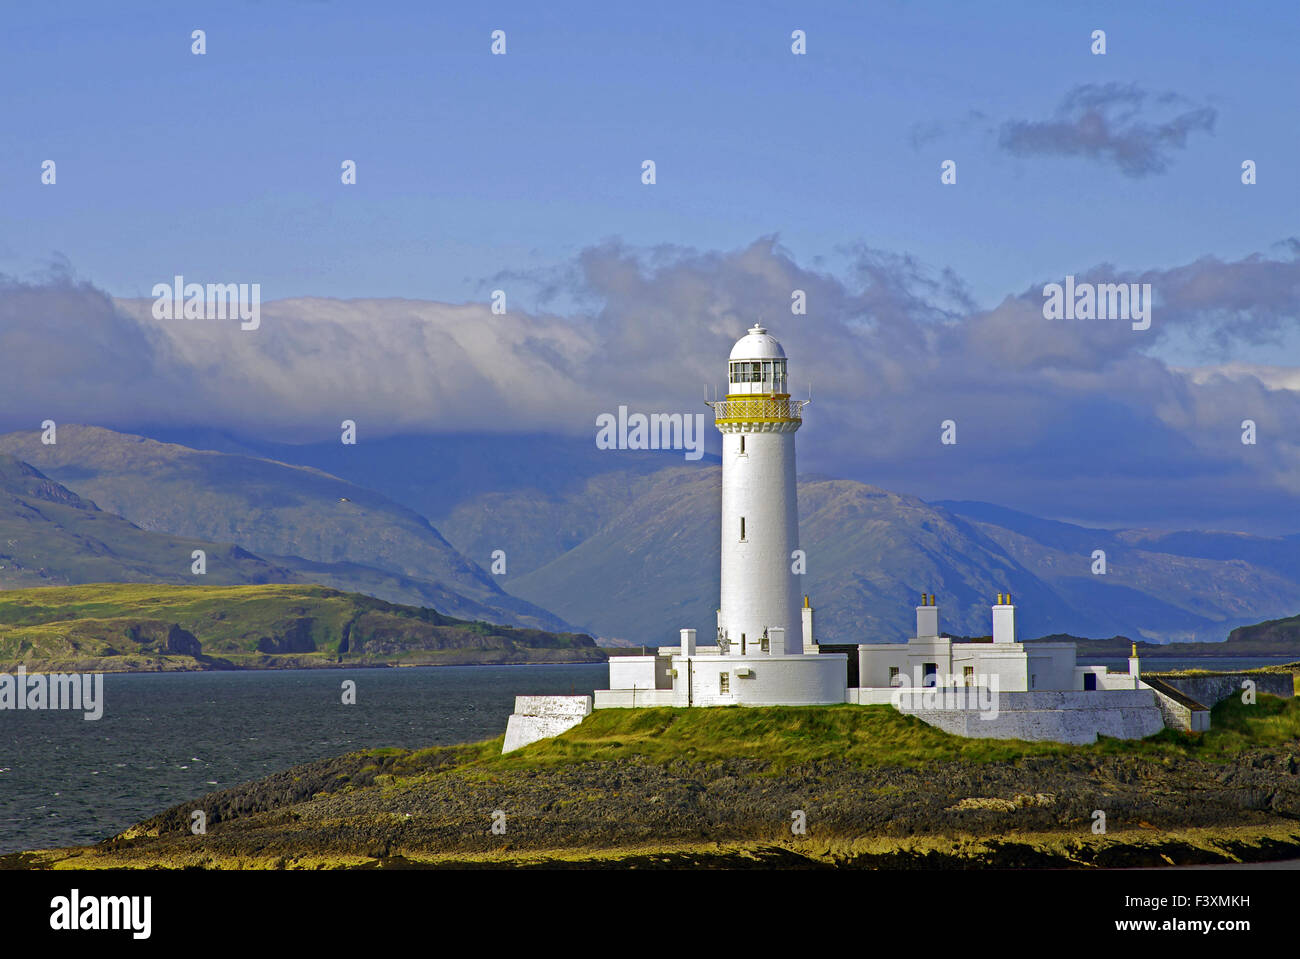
[(1060, 716)]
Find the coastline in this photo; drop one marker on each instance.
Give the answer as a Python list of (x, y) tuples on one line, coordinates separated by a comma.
[(188, 664), (676, 788), (1126, 849)]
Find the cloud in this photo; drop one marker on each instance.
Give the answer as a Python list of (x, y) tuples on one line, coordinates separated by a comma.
[(924, 133), (1106, 122), (1069, 418)]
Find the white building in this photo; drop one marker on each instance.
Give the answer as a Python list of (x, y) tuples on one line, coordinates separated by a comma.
[(765, 652), (930, 659)]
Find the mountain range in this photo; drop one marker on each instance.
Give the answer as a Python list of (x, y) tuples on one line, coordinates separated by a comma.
[(315, 526), (623, 544)]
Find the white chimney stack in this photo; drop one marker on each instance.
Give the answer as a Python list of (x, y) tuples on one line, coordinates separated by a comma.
[(1004, 620), (688, 642), (927, 618), (809, 643), (776, 641)]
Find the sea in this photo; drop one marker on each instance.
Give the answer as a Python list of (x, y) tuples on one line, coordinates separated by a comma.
[(165, 738), (168, 737)]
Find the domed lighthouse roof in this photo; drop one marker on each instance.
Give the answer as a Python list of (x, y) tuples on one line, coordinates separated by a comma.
[(757, 344)]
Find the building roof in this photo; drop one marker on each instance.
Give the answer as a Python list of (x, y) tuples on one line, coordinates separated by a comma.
[(757, 344)]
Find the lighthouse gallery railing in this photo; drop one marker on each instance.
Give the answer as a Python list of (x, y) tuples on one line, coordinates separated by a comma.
[(781, 409)]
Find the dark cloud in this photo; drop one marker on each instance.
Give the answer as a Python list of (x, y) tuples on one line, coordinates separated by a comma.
[(1069, 418), (1109, 122)]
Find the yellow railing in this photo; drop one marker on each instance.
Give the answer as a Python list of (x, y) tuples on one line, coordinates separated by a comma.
[(758, 408)]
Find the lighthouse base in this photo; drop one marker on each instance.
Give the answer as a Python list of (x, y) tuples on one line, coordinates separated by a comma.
[(708, 678)]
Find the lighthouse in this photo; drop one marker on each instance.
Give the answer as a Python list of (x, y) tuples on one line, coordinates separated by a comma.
[(766, 655), (759, 609), (760, 658)]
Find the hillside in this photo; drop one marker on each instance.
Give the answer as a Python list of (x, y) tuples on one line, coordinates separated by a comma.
[(435, 474), (1191, 583), (1273, 634), (323, 527), (628, 548), (651, 566), (1118, 647), (117, 626), (635, 557), (50, 536)]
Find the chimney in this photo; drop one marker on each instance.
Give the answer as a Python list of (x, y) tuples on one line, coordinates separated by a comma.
[(927, 618), (688, 642), (776, 641), (1004, 620), (809, 644), (1134, 669)]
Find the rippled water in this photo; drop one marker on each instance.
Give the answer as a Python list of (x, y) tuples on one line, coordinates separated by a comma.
[(165, 738)]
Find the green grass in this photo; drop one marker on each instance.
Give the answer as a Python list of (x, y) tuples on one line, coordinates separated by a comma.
[(785, 736), (66, 623)]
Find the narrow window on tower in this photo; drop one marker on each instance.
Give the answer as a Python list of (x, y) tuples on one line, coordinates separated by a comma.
[(742, 529), (742, 444)]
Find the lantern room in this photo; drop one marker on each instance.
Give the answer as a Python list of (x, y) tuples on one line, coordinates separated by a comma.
[(757, 365)]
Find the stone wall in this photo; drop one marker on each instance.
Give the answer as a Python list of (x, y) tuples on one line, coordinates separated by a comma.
[(1059, 716), (541, 717), (1213, 689), (1180, 710)]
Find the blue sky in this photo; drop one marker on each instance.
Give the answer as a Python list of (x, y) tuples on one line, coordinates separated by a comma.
[(469, 164), (773, 171)]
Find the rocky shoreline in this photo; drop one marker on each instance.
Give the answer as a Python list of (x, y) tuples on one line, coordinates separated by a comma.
[(435, 808), (185, 664)]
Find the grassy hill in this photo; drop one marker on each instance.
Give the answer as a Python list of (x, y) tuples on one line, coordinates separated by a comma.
[(116, 626), (1273, 634)]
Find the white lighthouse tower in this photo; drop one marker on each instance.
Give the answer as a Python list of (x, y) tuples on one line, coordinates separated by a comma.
[(759, 609), (760, 658)]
